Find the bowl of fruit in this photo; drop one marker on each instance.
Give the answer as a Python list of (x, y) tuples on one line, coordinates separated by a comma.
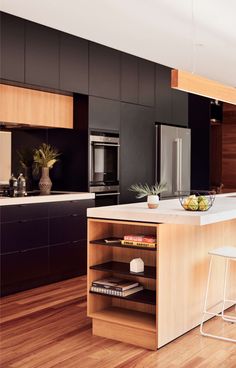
[(196, 200)]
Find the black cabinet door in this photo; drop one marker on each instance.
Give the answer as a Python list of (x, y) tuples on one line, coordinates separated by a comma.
[(104, 114), (73, 64), (137, 148), (179, 107), (68, 259), (104, 72), (146, 83), (41, 56), (22, 235), (23, 267), (163, 112), (12, 40), (129, 78), (24, 212), (70, 228)]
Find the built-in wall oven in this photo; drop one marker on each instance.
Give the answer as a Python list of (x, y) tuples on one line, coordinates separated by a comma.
[(104, 167)]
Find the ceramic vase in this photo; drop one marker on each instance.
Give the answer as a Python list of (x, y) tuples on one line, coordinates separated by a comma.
[(153, 201), (45, 183)]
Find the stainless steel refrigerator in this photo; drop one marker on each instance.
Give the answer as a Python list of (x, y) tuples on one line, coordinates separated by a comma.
[(173, 158)]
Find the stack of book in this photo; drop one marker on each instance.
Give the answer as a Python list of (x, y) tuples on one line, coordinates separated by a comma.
[(140, 240), (115, 286)]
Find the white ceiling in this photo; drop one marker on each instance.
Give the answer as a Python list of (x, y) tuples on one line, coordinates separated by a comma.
[(194, 35)]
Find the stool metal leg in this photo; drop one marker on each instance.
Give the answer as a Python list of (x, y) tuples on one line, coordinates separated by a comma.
[(224, 316), (211, 313)]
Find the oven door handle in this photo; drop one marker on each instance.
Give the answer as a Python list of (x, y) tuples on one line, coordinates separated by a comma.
[(106, 194), (106, 144)]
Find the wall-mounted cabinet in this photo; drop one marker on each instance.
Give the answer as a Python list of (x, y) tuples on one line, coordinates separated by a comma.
[(73, 64), (12, 41), (41, 55), (104, 72), (146, 83), (171, 106), (104, 114), (35, 108), (129, 78)]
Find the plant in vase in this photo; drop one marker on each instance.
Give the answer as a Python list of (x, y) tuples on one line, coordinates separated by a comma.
[(150, 191), (45, 157)]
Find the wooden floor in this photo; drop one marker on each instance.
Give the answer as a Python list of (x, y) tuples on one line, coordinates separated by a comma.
[(47, 327)]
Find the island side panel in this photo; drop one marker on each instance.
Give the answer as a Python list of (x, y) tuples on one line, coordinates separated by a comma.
[(182, 268)]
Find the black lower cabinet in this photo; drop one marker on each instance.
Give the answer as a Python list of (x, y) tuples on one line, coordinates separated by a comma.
[(23, 270), (68, 259), (37, 251)]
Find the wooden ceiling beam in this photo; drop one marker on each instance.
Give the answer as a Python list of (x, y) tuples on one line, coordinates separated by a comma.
[(195, 84)]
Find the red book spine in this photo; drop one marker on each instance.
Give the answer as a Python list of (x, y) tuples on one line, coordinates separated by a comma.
[(140, 238)]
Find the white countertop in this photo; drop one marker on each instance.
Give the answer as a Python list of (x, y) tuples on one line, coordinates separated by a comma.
[(170, 212), (55, 197)]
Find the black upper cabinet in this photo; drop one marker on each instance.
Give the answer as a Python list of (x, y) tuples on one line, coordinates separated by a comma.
[(146, 83), (179, 107), (104, 114), (137, 148), (171, 105), (73, 64), (41, 56), (163, 95), (129, 78), (12, 33), (104, 72)]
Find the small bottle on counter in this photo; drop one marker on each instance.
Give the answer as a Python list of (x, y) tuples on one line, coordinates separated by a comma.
[(21, 185), (13, 186)]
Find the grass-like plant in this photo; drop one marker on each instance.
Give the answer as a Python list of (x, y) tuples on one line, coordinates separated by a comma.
[(143, 190), (45, 156)]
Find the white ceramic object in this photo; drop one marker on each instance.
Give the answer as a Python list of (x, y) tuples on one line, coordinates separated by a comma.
[(137, 265), (153, 201)]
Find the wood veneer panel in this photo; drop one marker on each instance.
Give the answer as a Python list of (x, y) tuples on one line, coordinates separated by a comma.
[(196, 84), (36, 108), (182, 274)]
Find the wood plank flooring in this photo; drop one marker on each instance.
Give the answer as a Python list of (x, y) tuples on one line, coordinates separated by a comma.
[(48, 327)]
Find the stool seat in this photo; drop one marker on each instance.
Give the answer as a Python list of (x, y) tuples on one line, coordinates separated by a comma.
[(227, 252)]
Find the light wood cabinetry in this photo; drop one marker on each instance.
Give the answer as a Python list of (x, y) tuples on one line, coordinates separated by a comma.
[(181, 264), (131, 319), (35, 108)]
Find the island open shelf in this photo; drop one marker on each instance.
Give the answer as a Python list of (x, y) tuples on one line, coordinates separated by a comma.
[(128, 318), (177, 269), (144, 296), (123, 268)]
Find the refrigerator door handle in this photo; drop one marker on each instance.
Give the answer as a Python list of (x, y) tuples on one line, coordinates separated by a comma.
[(178, 153)]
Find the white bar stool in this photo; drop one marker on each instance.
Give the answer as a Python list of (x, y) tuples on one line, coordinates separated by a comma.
[(229, 253)]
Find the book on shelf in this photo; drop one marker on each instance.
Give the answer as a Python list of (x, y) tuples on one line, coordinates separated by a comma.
[(114, 283), (111, 292), (140, 238), (138, 244)]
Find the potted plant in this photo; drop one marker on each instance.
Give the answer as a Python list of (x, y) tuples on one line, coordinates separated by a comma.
[(151, 192), (45, 157)]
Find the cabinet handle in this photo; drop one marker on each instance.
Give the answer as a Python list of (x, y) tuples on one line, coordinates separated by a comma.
[(74, 242), (23, 221), (74, 214)]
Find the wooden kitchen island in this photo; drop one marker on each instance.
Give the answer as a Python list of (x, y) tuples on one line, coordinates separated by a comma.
[(175, 273)]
